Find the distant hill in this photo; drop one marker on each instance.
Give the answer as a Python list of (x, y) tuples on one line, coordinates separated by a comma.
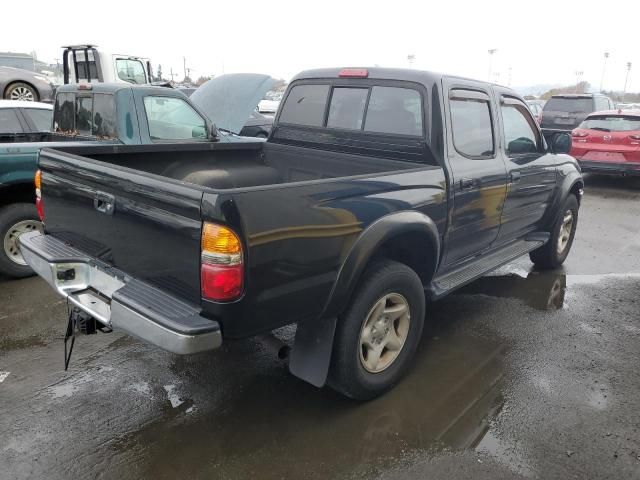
[(536, 90)]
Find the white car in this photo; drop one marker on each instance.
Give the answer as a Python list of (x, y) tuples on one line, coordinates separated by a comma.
[(20, 118)]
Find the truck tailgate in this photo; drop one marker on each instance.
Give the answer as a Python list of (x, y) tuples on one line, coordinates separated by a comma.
[(146, 226)]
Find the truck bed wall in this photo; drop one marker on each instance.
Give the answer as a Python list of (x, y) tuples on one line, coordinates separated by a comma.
[(244, 166)]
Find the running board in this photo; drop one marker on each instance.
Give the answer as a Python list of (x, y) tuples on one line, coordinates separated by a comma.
[(442, 285)]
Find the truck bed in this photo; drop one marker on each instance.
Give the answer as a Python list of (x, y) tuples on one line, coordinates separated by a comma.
[(229, 166), (162, 193)]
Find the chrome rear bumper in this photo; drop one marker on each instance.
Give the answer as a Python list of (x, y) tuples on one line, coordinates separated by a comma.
[(117, 300)]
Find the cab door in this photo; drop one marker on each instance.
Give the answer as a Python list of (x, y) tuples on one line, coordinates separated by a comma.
[(531, 171), (477, 171)]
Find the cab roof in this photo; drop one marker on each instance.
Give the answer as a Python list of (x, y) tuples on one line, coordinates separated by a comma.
[(617, 112)]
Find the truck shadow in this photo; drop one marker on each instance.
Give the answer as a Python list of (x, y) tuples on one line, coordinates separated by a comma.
[(260, 422)]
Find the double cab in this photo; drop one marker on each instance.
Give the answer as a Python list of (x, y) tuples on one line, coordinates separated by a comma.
[(377, 191)]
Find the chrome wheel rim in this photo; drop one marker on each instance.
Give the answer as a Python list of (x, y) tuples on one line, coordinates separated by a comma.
[(565, 231), (22, 93), (11, 247), (384, 332)]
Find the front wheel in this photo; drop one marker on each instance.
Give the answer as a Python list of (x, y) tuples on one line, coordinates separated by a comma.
[(553, 253), (378, 335), (15, 220)]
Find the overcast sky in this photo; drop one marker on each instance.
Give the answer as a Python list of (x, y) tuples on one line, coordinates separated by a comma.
[(543, 41)]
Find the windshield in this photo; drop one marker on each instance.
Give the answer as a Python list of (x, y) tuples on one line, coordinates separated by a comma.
[(173, 119), (569, 105), (612, 123), (131, 71)]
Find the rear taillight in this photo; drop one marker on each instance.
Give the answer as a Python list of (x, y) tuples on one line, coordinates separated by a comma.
[(578, 134), (635, 137), (221, 263), (39, 205)]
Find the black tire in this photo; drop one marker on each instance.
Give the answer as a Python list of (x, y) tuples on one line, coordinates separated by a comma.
[(548, 256), (347, 374), (23, 88), (10, 216)]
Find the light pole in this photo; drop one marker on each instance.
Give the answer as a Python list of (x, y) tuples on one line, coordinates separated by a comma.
[(604, 68), (491, 52), (626, 79)]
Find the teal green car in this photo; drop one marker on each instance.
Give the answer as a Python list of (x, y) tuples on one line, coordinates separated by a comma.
[(114, 113)]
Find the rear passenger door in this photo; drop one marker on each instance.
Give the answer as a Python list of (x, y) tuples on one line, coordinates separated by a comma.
[(531, 171), (478, 174)]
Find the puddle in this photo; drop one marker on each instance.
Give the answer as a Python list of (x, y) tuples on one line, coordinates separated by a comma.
[(540, 290), (447, 402)]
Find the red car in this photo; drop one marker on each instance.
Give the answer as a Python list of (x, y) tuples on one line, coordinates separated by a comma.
[(608, 142)]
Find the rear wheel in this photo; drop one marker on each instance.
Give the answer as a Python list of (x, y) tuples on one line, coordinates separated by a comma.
[(21, 91), (15, 220), (377, 337), (555, 251)]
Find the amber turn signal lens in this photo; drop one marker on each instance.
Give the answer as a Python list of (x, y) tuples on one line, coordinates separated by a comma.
[(38, 179), (219, 239)]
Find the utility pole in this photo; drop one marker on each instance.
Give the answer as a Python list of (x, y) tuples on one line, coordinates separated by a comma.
[(604, 68), (626, 79), (411, 58), (579, 74), (172, 74), (491, 52), (184, 66)]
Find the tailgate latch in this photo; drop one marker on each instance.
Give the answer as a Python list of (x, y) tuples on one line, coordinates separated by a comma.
[(104, 203)]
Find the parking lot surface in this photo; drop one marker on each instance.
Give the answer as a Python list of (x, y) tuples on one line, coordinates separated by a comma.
[(520, 374)]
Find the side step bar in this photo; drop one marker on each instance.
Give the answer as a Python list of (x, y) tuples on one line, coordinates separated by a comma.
[(445, 284)]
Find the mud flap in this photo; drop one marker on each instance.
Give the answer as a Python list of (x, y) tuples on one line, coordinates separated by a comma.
[(311, 354)]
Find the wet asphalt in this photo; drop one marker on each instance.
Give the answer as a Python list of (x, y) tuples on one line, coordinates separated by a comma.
[(521, 374)]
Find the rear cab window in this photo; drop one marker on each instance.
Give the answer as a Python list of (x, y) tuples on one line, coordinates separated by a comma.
[(612, 123), (372, 109), (85, 114)]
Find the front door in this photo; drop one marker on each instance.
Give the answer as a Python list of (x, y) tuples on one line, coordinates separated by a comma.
[(478, 173), (531, 171)]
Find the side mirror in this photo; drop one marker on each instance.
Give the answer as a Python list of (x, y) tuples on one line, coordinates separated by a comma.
[(561, 143), (213, 133)]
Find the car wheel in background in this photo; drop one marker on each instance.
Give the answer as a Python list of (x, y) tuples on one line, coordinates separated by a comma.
[(15, 220), (21, 91), (553, 253), (377, 337)]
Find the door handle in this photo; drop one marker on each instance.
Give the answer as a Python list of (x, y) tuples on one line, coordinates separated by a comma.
[(104, 203), (466, 183), (515, 177)]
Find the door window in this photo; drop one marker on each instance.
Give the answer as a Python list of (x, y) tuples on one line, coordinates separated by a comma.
[(40, 117), (471, 124), (520, 132), (9, 122), (172, 118), (131, 70)]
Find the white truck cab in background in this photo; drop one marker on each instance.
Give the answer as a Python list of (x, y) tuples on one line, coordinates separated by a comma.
[(85, 63)]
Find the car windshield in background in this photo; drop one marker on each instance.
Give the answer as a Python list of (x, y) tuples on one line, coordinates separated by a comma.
[(173, 119), (612, 123), (40, 117), (570, 105)]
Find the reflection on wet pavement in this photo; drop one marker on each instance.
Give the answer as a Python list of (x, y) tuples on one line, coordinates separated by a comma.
[(237, 413)]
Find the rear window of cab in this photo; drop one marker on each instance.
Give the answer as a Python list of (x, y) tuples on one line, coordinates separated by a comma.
[(372, 109)]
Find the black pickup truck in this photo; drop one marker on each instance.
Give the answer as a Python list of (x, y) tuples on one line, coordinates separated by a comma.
[(377, 190)]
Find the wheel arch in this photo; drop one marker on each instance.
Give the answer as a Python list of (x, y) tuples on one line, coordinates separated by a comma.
[(21, 192), (408, 237)]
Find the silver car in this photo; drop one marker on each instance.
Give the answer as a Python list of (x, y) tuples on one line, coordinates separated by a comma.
[(18, 84)]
